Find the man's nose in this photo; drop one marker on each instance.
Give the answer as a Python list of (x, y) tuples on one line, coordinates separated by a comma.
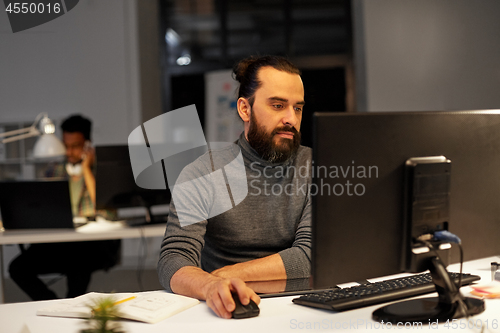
[(290, 117)]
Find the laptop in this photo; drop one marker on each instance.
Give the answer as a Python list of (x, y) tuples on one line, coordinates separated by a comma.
[(35, 204)]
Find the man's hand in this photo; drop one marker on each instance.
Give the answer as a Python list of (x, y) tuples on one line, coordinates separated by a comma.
[(88, 156), (219, 299), (216, 291)]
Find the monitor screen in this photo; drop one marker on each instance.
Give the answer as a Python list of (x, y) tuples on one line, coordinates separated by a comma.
[(358, 187), (115, 184), (34, 204)]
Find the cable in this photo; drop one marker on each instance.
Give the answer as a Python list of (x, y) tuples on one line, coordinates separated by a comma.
[(446, 236)]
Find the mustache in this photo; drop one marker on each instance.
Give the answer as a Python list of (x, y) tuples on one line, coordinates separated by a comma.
[(286, 128)]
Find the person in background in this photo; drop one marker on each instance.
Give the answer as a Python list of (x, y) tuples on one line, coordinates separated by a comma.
[(80, 158), (76, 260)]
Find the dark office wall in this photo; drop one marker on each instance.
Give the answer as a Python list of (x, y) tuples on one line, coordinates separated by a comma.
[(325, 91), (187, 90)]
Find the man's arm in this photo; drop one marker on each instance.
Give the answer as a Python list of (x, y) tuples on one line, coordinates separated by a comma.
[(88, 176), (262, 269), (179, 271)]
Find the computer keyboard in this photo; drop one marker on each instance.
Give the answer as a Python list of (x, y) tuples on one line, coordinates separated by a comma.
[(375, 293)]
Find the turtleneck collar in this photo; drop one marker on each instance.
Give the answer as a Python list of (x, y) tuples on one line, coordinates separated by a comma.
[(252, 155)]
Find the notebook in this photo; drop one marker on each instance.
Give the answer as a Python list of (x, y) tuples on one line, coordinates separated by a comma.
[(148, 307), (35, 204)]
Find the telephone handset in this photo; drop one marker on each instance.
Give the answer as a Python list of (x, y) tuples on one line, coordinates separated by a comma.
[(86, 147), (76, 169)]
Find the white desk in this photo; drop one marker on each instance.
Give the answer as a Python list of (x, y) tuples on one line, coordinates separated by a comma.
[(90, 232), (277, 315)]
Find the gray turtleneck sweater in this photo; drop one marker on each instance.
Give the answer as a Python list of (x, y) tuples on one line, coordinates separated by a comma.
[(274, 217)]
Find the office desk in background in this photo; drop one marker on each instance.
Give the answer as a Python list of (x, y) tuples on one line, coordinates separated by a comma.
[(277, 315), (90, 232)]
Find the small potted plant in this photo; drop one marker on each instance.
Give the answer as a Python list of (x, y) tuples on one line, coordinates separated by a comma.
[(104, 317)]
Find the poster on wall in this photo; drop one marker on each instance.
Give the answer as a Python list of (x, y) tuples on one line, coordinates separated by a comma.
[(222, 123)]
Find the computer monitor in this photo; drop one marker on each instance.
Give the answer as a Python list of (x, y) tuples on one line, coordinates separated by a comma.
[(35, 204), (359, 181), (115, 184)]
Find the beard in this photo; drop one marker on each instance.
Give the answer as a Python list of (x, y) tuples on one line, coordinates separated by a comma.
[(274, 151)]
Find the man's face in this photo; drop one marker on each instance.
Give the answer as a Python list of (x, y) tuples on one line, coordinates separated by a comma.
[(74, 143), (274, 128)]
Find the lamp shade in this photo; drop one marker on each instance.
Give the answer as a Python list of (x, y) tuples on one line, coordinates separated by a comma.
[(48, 145)]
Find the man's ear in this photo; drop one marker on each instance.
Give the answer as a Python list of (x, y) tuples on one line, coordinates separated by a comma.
[(244, 109)]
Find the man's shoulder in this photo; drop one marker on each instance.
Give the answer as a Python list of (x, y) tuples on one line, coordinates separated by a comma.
[(305, 150), (304, 155), (213, 159)]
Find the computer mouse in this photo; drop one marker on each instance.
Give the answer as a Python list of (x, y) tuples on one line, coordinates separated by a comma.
[(244, 311)]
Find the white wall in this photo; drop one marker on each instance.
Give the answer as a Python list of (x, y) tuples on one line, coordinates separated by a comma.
[(85, 61), (427, 55)]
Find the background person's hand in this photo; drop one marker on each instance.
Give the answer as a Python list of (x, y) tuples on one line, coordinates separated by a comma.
[(88, 155)]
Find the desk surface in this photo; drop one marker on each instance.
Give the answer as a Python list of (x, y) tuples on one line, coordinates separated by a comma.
[(91, 231), (277, 315)]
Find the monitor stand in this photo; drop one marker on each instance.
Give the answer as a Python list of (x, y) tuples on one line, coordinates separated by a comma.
[(450, 303)]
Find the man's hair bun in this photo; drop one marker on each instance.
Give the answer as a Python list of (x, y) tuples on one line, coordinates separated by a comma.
[(246, 72)]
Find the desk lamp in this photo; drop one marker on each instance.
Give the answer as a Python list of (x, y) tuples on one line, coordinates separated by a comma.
[(48, 145)]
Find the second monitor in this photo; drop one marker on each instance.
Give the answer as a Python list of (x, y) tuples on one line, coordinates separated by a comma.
[(116, 187), (358, 191)]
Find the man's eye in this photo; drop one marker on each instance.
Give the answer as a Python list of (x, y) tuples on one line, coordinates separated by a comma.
[(277, 106), (298, 109)]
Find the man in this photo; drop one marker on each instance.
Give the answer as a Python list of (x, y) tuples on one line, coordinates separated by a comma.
[(79, 162), (76, 260), (268, 235)]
